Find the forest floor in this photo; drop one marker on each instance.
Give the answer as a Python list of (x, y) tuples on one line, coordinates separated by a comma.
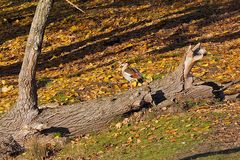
[(80, 61)]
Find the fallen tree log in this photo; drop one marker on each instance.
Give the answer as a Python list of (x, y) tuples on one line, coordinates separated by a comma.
[(27, 119), (93, 115)]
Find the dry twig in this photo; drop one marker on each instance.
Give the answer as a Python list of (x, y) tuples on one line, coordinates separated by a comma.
[(75, 6)]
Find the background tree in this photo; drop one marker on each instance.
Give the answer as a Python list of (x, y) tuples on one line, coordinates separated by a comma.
[(13, 122)]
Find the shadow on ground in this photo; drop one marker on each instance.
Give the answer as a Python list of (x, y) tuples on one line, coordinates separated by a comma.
[(204, 15), (9, 30), (207, 154)]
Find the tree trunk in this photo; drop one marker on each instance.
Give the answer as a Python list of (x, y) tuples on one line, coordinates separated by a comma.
[(26, 109)]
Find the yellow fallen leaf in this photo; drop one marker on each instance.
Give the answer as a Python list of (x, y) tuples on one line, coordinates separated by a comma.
[(116, 87), (113, 79), (125, 86), (73, 28), (118, 125), (150, 62), (6, 105), (105, 79), (134, 84), (3, 82), (149, 77), (100, 92), (6, 88)]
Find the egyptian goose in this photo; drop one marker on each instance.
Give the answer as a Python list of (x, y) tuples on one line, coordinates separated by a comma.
[(131, 74)]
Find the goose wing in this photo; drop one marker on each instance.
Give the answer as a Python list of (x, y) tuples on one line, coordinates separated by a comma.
[(133, 72)]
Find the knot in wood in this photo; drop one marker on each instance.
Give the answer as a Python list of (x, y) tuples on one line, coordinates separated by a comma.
[(36, 46)]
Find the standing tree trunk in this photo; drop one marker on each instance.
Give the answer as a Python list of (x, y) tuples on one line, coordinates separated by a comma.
[(14, 121)]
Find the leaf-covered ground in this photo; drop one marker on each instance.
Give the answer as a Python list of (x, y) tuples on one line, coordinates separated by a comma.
[(81, 51)]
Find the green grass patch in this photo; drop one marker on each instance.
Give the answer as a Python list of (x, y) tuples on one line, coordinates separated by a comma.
[(60, 97), (159, 138)]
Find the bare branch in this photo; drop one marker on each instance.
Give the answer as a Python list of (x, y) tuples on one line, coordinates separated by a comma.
[(75, 6), (227, 85), (193, 55)]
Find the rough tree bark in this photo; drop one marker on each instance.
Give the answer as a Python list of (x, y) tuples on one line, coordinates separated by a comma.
[(26, 109), (26, 119)]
